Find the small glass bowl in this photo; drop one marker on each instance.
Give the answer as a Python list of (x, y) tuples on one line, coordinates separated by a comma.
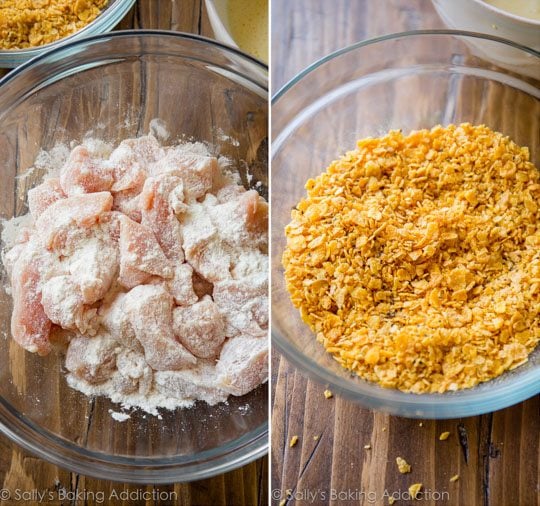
[(112, 86), (403, 81), (106, 21)]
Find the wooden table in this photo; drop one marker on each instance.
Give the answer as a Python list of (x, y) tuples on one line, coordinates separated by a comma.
[(342, 448), (21, 471)]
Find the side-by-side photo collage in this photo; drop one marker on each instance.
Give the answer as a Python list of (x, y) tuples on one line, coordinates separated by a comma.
[(270, 252)]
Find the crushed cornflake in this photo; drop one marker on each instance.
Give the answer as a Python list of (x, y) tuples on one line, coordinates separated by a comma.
[(293, 441), (367, 447), (391, 500), (402, 465), (414, 490), (454, 478), (315, 438), (444, 436), (29, 23), (328, 394), (415, 259)]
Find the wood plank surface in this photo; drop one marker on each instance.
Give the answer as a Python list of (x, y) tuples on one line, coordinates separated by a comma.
[(26, 479), (345, 454)]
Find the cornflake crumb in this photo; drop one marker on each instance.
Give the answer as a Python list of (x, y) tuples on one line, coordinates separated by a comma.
[(421, 424), (414, 490), (414, 258), (293, 442), (454, 478), (328, 394), (391, 500), (315, 438), (282, 502), (367, 447), (402, 465), (444, 436), (384, 429)]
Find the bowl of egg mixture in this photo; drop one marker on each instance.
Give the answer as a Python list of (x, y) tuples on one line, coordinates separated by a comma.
[(515, 20), (242, 24)]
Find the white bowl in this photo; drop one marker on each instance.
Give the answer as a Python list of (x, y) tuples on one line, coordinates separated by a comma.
[(479, 16)]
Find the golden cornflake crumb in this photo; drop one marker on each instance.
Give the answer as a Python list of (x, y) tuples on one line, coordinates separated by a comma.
[(416, 259), (315, 438), (391, 500), (384, 429), (288, 492), (328, 394), (454, 478), (402, 465), (30, 23), (282, 502), (367, 447), (444, 436), (421, 424), (294, 440), (414, 490)]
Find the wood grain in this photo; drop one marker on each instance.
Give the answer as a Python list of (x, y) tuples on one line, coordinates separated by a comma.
[(22, 472), (342, 447)]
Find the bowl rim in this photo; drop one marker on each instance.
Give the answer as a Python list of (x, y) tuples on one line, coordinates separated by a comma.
[(111, 14), (506, 14), (160, 470), (392, 36), (100, 37), (470, 402)]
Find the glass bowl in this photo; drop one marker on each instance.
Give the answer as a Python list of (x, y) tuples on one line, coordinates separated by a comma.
[(106, 21), (409, 81), (114, 85)]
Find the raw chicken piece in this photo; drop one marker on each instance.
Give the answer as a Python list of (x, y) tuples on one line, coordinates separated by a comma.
[(134, 374), (63, 303), (92, 359), (159, 216), (150, 310), (200, 328), (117, 321), (196, 171), (42, 196), (84, 174), (81, 211), (181, 285), (242, 365), (93, 262), (198, 382), (130, 160), (242, 221), (128, 203), (30, 326), (244, 303), (141, 256), (204, 250)]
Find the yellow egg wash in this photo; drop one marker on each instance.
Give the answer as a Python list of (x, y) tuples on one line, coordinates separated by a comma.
[(524, 8), (248, 24)]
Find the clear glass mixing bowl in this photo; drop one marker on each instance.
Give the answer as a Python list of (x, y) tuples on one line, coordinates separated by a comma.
[(409, 81), (114, 85), (106, 21)]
